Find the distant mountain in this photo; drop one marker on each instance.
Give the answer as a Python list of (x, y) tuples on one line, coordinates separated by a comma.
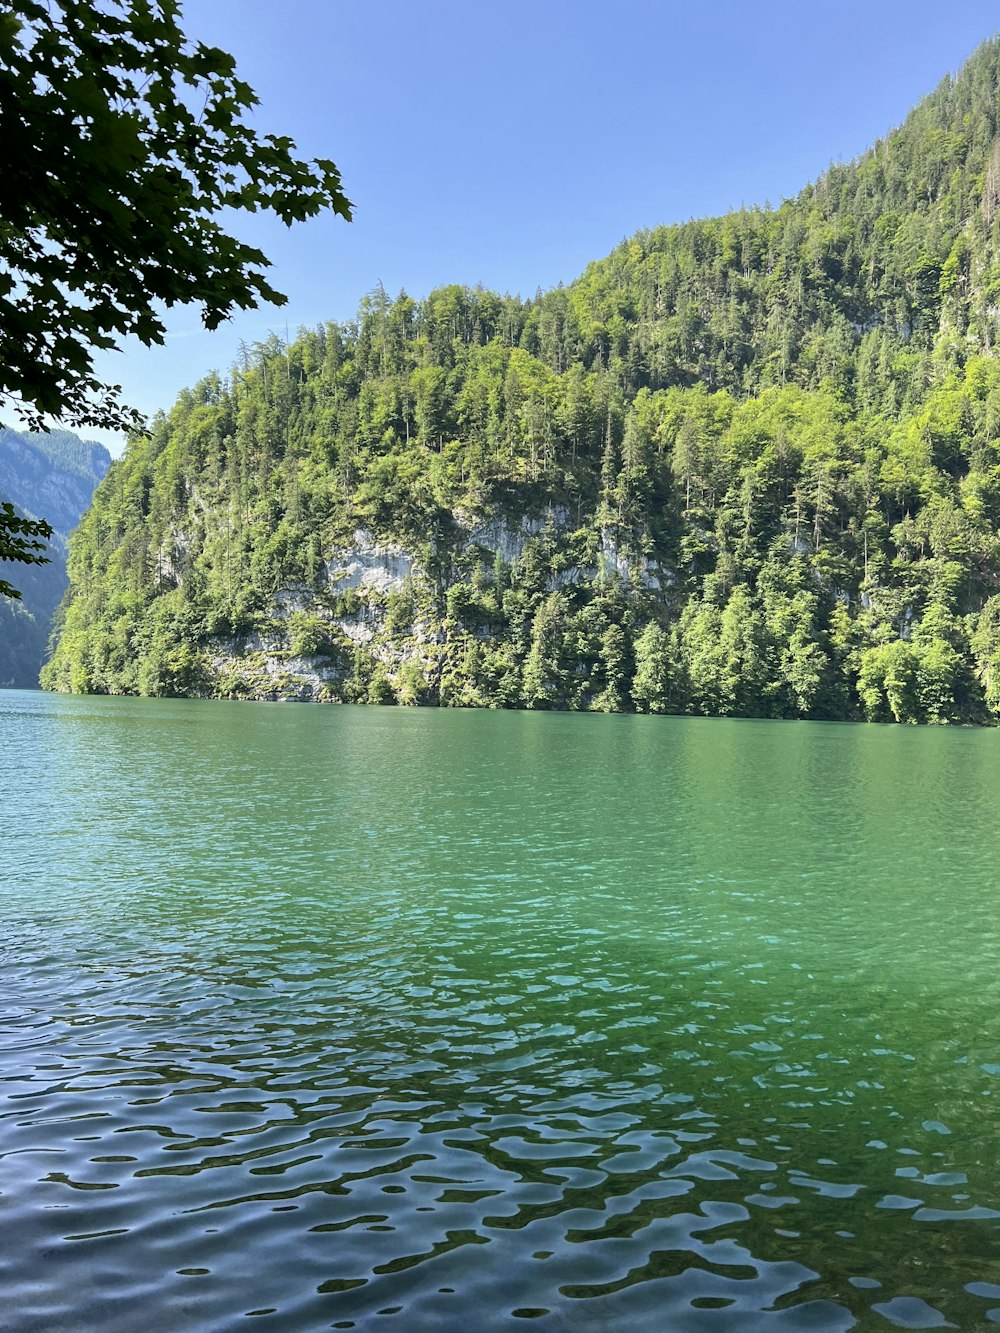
[(744, 465), (52, 477)]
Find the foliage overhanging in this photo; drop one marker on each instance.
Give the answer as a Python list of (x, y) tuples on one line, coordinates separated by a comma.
[(121, 142)]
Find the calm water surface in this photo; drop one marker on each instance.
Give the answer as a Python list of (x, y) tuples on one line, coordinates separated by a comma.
[(373, 1018)]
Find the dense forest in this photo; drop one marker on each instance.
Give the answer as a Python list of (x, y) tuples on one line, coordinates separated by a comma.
[(747, 465)]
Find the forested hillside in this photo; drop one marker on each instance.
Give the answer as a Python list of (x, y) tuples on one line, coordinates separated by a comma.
[(52, 477), (746, 465)]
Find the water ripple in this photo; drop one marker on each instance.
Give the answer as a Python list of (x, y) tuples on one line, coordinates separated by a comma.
[(331, 1041)]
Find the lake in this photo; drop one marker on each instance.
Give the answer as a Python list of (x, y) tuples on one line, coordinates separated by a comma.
[(427, 1020)]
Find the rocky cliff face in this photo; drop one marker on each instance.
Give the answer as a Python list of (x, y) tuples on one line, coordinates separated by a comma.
[(52, 477), (375, 601)]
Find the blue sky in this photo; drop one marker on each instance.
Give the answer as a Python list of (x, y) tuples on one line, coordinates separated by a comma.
[(510, 144)]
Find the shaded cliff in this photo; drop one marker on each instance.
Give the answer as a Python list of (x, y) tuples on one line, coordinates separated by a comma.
[(52, 477)]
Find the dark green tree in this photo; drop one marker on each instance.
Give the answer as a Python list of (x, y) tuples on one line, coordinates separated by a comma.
[(20, 542), (121, 141)]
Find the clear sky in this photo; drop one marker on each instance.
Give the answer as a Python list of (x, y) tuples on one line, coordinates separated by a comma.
[(511, 143)]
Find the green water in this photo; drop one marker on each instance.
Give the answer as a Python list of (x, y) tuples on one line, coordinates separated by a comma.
[(374, 1018)]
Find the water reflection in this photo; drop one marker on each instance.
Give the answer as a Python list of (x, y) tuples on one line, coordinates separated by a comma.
[(330, 1017)]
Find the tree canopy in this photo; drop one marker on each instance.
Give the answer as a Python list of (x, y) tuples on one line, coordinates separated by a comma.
[(121, 142)]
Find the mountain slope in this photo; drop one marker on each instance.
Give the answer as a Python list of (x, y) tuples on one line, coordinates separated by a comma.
[(745, 465), (51, 476)]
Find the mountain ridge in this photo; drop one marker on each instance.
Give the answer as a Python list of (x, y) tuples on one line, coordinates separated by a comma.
[(52, 477), (747, 464)]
